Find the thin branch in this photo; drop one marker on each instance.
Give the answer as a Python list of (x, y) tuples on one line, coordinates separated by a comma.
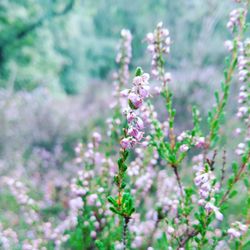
[(224, 158), (178, 180), (124, 234), (212, 161)]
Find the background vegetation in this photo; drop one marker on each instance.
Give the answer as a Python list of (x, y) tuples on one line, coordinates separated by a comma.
[(56, 64)]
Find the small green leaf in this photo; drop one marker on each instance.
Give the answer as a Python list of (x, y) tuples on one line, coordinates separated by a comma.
[(235, 167), (131, 105), (99, 245), (123, 185), (246, 246), (131, 211), (115, 211), (125, 154), (216, 94), (233, 193), (246, 182), (138, 71), (112, 201)]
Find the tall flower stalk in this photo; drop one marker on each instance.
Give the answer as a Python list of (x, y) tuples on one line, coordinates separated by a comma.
[(122, 204)]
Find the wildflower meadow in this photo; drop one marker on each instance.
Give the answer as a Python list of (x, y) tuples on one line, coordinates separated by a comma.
[(141, 167)]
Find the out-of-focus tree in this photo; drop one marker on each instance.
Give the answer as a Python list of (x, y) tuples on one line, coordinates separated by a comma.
[(64, 44), (27, 55)]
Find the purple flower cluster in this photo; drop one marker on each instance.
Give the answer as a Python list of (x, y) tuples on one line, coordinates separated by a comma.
[(125, 51), (8, 238), (243, 59), (188, 140), (123, 59), (135, 96), (20, 192), (91, 155), (240, 150), (205, 182), (243, 112), (234, 20), (159, 45), (112, 124), (237, 229), (243, 62), (229, 45)]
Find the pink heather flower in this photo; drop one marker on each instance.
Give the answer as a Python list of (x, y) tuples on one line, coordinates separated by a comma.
[(230, 25), (121, 77), (132, 131), (170, 230), (238, 131), (242, 63), (237, 230), (219, 216), (130, 116), (243, 73), (203, 180), (212, 208), (167, 77), (233, 233), (144, 91), (165, 32), (91, 199), (240, 149), (243, 110), (154, 72), (135, 124), (201, 202), (242, 97), (145, 77), (125, 143), (243, 228), (218, 233), (135, 99), (76, 204), (234, 19), (182, 136), (184, 148), (200, 142), (139, 136), (157, 90), (228, 45), (93, 234), (151, 48), (139, 123), (160, 36), (150, 37), (159, 25), (97, 137), (137, 80), (126, 34)]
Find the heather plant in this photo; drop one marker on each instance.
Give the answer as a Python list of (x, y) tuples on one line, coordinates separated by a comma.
[(145, 184)]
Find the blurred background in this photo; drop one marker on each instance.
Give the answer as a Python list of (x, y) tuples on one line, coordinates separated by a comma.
[(56, 65)]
